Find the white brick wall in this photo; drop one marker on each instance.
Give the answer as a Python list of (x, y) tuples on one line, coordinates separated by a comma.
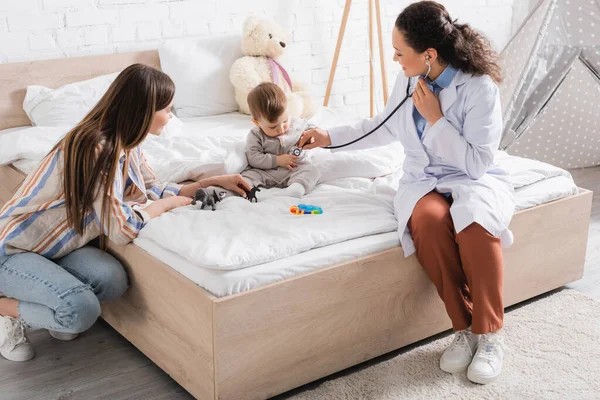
[(44, 29)]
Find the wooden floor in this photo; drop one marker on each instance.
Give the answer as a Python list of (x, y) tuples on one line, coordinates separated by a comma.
[(102, 365)]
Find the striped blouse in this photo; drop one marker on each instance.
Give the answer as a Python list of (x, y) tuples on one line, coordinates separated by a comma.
[(35, 219)]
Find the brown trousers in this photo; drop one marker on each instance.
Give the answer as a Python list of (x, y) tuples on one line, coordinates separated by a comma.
[(466, 268)]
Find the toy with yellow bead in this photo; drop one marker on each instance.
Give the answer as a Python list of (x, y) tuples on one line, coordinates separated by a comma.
[(301, 209)]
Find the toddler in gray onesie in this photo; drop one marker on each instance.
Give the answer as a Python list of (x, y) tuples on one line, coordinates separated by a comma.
[(271, 142)]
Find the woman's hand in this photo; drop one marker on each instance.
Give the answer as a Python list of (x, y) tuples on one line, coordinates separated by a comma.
[(288, 161), (161, 206), (315, 137), (235, 183), (427, 102)]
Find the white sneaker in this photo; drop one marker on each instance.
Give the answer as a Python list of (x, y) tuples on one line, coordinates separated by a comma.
[(487, 363), (459, 354), (65, 337), (13, 342)]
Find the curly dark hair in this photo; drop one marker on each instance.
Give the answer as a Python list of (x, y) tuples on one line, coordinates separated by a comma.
[(427, 24)]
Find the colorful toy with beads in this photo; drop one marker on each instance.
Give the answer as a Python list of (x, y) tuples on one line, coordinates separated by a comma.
[(305, 209)]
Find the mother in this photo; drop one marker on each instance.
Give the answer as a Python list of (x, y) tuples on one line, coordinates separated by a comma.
[(453, 204), (94, 183)]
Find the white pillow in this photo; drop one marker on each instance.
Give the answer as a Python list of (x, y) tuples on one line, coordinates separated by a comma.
[(200, 70), (30, 143), (173, 128), (15, 129), (67, 105)]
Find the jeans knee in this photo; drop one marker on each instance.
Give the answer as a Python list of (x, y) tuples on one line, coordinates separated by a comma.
[(111, 279), (114, 283), (78, 311)]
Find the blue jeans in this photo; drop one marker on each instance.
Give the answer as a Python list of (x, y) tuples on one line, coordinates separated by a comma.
[(62, 295)]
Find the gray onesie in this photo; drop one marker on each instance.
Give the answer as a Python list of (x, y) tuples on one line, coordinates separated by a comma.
[(262, 152)]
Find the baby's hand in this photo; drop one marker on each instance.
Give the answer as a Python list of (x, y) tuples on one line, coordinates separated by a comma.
[(288, 161)]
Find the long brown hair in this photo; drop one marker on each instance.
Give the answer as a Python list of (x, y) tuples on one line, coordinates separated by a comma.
[(427, 24), (119, 122)]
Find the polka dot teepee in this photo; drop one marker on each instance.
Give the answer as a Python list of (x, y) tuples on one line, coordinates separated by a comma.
[(551, 90)]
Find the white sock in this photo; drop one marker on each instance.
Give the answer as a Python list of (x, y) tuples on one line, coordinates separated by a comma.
[(294, 190)]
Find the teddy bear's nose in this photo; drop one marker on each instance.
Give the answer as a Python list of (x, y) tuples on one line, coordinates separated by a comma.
[(282, 44)]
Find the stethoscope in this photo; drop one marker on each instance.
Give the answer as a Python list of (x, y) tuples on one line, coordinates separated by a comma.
[(409, 94)]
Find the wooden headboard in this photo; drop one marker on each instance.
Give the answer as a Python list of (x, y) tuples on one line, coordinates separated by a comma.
[(14, 78)]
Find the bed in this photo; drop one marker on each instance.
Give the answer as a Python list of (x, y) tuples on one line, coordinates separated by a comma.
[(254, 340)]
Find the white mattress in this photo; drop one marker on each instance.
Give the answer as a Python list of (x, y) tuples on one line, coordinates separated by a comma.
[(536, 183), (224, 283)]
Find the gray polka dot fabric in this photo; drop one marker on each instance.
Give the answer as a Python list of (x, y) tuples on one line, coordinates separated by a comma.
[(566, 133), (515, 59), (552, 85)]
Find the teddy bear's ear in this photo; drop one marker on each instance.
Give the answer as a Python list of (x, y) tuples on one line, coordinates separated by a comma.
[(250, 24)]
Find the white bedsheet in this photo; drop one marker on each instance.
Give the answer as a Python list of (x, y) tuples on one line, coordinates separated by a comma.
[(536, 183), (235, 254), (224, 283), (355, 203)]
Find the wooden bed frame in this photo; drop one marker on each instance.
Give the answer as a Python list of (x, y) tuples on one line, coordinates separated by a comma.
[(259, 343)]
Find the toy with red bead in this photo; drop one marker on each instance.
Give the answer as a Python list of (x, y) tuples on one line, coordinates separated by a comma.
[(306, 209)]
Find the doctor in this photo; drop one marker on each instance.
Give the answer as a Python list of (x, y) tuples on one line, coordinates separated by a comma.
[(453, 204)]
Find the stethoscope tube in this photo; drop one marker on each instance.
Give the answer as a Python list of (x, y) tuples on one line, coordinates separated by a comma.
[(408, 95)]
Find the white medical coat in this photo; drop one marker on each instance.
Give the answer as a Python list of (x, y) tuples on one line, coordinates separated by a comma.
[(455, 155)]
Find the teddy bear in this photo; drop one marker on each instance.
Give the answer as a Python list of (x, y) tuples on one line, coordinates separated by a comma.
[(263, 43)]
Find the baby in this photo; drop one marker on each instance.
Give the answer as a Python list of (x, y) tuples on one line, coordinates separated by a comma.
[(271, 144)]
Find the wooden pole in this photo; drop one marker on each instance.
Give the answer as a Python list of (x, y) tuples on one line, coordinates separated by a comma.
[(381, 59), (371, 78), (337, 51)]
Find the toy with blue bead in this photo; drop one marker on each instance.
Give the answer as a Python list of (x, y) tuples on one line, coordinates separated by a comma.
[(306, 209)]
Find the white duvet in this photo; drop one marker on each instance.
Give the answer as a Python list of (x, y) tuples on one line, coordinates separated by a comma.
[(240, 234), (356, 192)]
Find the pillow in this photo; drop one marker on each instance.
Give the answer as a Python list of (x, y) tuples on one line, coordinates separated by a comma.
[(200, 70), (68, 104), (30, 143), (173, 128), (15, 129)]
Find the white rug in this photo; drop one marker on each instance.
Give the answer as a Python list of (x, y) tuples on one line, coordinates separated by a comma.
[(554, 353)]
